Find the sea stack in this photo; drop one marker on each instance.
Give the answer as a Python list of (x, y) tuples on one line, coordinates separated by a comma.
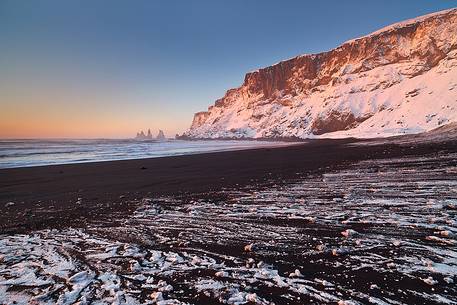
[(160, 135), (141, 136)]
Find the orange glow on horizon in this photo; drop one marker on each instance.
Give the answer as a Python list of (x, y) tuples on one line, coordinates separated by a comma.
[(77, 120), (76, 126)]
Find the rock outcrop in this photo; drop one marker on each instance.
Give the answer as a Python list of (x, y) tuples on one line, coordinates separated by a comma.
[(400, 79), (160, 135), (141, 136)]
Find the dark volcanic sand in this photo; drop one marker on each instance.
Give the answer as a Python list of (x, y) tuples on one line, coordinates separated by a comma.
[(73, 194), (326, 222)]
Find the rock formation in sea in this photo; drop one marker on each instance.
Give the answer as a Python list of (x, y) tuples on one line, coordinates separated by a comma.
[(160, 135), (141, 136)]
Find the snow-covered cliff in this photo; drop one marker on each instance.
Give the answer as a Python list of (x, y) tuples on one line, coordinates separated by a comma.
[(400, 79)]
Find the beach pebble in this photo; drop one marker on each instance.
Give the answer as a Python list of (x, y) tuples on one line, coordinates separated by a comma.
[(451, 206), (8, 204), (310, 219), (320, 247), (250, 263), (323, 282), (440, 240), (396, 243), (221, 274), (296, 273), (157, 296), (349, 232), (429, 281), (249, 248), (196, 260), (444, 233), (251, 297), (340, 251)]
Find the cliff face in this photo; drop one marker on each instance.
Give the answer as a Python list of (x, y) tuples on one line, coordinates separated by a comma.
[(397, 80)]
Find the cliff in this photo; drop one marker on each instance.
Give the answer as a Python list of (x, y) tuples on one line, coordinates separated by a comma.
[(400, 79)]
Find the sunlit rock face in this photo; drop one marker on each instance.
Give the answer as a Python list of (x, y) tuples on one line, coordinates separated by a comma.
[(400, 79)]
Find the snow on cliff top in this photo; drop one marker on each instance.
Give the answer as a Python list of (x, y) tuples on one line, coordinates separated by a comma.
[(397, 25), (404, 23)]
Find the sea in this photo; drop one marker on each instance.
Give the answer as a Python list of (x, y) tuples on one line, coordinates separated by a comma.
[(25, 153)]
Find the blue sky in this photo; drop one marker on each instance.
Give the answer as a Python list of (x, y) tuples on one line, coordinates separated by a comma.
[(107, 68)]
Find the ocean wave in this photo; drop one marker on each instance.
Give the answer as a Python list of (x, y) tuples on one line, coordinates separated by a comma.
[(24, 153)]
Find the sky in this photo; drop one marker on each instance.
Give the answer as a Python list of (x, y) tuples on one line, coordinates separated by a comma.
[(107, 69)]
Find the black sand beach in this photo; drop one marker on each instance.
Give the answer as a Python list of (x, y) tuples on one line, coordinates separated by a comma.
[(323, 222), (74, 194)]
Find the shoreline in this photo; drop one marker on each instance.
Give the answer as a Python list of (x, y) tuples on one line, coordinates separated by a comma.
[(115, 150), (75, 194)]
